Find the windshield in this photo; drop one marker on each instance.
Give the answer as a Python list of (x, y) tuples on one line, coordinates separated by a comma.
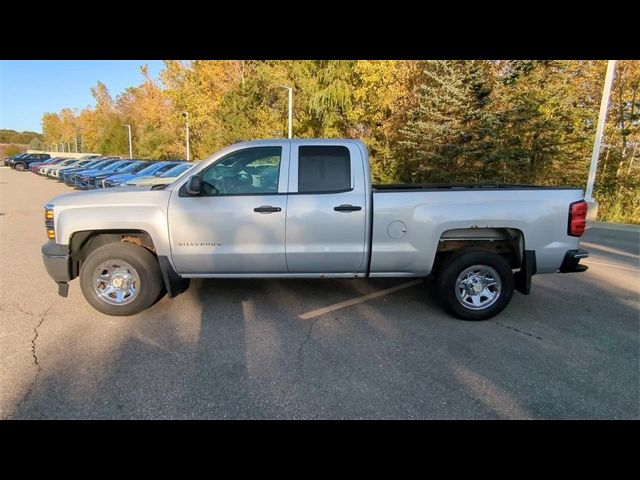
[(127, 167), (140, 167), (177, 170), (67, 162), (124, 167), (151, 168), (92, 163), (113, 166)]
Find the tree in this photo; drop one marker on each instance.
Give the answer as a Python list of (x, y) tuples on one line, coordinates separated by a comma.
[(446, 132), (36, 143), (12, 150)]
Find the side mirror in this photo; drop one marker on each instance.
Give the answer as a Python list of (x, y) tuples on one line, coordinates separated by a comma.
[(194, 185)]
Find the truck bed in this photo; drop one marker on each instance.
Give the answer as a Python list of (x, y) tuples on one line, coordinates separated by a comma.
[(409, 221)]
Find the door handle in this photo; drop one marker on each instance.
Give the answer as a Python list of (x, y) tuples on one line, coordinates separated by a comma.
[(347, 208), (267, 209)]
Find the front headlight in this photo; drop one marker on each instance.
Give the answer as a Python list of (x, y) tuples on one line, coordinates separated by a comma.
[(48, 221), (123, 184)]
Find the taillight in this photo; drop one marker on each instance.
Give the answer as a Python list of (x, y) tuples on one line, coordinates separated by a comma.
[(577, 218)]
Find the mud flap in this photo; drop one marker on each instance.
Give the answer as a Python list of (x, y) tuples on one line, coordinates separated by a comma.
[(522, 278), (173, 282)]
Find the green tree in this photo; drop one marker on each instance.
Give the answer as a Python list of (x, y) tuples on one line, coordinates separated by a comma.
[(36, 143), (448, 130)]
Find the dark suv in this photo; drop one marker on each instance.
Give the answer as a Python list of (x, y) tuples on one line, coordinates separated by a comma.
[(23, 162), (7, 161)]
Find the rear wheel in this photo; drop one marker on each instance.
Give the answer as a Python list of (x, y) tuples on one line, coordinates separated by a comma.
[(475, 284), (121, 279)]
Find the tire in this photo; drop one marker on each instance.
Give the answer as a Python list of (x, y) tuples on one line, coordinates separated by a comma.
[(20, 167), (126, 264), (484, 296)]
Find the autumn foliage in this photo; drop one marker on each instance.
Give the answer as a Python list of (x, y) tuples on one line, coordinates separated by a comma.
[(423, 121)]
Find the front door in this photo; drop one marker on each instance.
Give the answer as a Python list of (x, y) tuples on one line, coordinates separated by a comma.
[(237, 224)]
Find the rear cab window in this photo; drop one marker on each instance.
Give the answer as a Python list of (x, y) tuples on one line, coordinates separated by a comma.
[(324, 169)]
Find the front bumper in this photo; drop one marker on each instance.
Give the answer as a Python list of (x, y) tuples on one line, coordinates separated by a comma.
[(571, 262), (57, 262)]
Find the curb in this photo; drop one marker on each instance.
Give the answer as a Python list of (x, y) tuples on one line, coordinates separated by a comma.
[(623, 227)]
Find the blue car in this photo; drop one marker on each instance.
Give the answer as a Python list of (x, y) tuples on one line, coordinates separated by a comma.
[(153, 169), (86, 180), (93, 164), (72, 179), (131, 169)]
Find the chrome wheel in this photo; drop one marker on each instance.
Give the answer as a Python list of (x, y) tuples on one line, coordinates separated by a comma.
[(478, 287), (116, 282)]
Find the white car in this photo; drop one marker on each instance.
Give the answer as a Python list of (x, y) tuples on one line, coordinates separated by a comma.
[(49, 168), (54, 171)]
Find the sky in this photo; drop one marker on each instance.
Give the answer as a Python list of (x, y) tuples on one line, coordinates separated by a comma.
[(29, 88)]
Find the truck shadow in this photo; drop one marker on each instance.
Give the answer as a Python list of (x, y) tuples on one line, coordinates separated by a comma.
[(238, 349)]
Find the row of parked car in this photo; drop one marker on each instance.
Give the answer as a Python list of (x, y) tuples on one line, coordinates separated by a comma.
[(96, 171)]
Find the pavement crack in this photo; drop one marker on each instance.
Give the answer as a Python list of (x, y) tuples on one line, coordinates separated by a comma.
[(517, 330), (299, 354), (306, 340), (36, 334)]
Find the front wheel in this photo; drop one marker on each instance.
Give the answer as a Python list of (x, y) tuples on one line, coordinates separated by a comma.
[(121, 279), (475, 284), (20, 167)]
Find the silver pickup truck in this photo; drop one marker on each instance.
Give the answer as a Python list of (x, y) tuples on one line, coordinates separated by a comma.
[(307, 209)]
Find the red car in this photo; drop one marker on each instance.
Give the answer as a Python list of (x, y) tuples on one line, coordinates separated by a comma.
[(52, 161)]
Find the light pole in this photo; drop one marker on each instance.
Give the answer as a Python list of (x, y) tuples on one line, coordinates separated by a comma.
[(76, 140), (602, 117), (186, 116), (130, 149), (68, 146), (290, 110)]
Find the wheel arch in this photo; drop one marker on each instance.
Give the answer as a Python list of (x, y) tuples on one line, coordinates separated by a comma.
[(506, 241)]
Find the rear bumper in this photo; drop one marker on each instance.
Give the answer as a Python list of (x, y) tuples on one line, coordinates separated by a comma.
[(571, 262), (56, 261)]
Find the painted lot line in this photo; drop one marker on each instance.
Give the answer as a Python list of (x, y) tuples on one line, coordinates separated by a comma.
[(355, 301), (364, 298)]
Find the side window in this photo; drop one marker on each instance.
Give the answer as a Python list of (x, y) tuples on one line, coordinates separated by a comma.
[(252, 170), (324, 169)]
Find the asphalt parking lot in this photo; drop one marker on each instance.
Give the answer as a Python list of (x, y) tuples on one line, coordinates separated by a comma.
[(263, 349)]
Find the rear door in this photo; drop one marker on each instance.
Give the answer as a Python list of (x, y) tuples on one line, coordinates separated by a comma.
[(326, 217)]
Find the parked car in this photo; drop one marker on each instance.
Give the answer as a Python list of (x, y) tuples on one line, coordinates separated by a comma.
[(163, 178), (45, 169), (97, 180), (7, 160), (54, 171), (306, 208), (127, 172), (23, 162), (74, 178), (151, 169), (87, 181), (52, 161), (87, 166)]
